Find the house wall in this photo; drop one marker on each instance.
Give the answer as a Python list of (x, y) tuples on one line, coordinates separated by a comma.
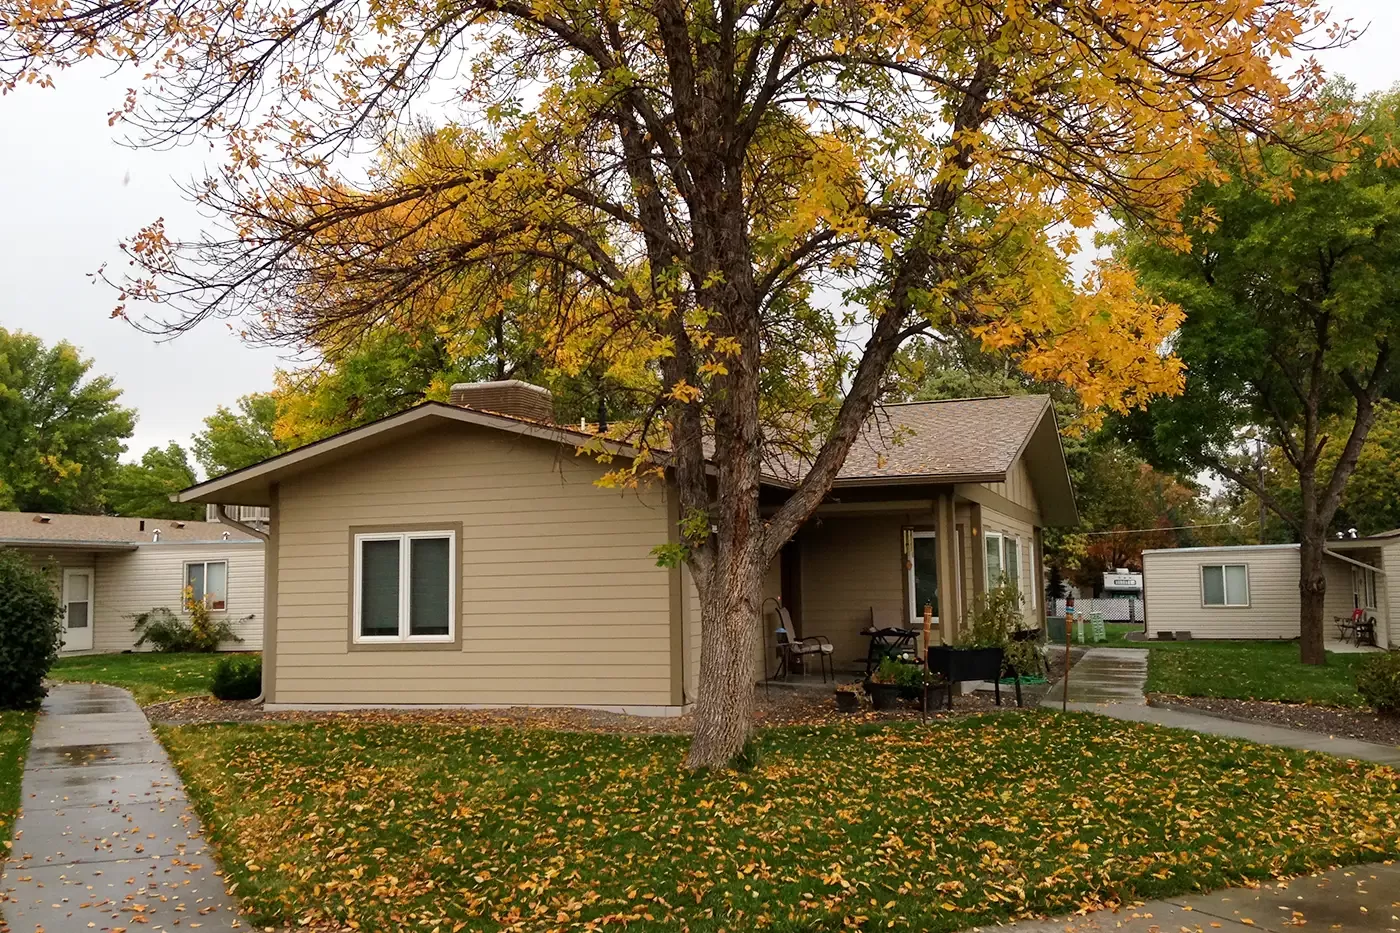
[(1390, 585), (561, 601), (1017, 487), (995, 521), (849, 565), (153, 575), (1172, 593)]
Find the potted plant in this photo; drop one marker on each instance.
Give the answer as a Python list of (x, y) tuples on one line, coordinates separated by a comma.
[(986, 647), (883, 686), (848, 697)]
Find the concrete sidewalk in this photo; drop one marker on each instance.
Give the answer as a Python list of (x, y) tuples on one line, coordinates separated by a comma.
[(106, 837), (1361, 899), (1103, 675), (1249, 731)]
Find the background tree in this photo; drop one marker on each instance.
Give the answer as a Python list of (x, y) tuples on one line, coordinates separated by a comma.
[(1292, 293), (689, 183), (143, 489), (232, 440), (61, 431)]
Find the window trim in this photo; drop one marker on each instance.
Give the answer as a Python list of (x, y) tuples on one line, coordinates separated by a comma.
[(404, 533), (987, 536), (185, 580), (916, 614), (1225, 587)]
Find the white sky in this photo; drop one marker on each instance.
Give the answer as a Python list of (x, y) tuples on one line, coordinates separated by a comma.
[(70, 193)]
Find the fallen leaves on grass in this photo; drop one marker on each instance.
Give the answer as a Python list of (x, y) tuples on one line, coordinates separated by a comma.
[(424, 824)]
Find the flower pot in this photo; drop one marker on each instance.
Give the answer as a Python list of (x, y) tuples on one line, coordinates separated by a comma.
[(847, 702), (882, 696)]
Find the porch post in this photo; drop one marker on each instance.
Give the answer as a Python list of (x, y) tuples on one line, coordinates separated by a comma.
[(949, 599)]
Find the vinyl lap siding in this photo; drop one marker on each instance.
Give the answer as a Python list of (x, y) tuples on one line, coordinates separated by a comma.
[(153, 576), (994, 521), (1172, 594), (561, 600)]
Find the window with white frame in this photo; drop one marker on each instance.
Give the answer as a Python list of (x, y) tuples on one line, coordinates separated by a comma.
[(405, 586), (1363, 588), (1225, 585), (207, 582), (1003, 559)]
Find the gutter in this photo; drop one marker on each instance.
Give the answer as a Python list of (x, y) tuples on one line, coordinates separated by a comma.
[(1331, 553), (227, 519)]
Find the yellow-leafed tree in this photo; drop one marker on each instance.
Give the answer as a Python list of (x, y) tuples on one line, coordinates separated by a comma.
[(699, 194)]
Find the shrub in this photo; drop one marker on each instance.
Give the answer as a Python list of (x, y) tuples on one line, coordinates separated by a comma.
[(237, 678), (993, 621), (200, 631), (1378, 682), (31, 630)]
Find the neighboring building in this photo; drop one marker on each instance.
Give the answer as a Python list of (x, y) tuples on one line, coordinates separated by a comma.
[(1122, 584), (462, 554), (1251, 591), (107, 568)]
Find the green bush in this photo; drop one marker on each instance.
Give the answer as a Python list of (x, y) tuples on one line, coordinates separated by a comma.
[(237, 678), (1378, 682), (31, 630), (200, 631)]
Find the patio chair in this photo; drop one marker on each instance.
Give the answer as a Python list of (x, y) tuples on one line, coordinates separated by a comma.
[(792, 649), (1347, 625)]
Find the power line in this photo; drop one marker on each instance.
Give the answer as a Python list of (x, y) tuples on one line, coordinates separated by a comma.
[(1130, 531)]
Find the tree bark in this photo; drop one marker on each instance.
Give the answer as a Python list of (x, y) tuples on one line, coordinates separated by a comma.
[(1312, 592), (729, 614)]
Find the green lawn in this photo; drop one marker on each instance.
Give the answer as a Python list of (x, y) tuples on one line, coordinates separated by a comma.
[(151, 677), (15, 726), (382, 823), (1251, 670)]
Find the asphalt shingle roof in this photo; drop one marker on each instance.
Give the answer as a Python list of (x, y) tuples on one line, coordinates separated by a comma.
[(26, 526)]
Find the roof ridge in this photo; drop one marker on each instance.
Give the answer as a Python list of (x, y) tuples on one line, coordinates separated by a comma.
[(970, 398)]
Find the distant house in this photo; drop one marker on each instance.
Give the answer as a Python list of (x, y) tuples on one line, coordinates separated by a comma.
[(1251, 591), (462, 554), (107, 568)]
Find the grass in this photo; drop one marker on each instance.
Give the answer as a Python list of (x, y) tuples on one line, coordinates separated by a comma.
[(425, 823), (1252, 670), (151, 677), (15, 727)]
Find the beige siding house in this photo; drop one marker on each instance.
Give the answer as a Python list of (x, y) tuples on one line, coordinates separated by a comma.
[(1252, 591), (465, 555), (107, 568)]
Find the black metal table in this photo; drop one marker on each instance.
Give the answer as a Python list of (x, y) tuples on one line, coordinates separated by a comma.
[(887, 643)]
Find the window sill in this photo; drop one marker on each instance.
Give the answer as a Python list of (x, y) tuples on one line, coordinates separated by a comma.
[(450, 644)]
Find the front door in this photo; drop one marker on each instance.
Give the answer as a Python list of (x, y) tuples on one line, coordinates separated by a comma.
[(923, 578), (77, 610)]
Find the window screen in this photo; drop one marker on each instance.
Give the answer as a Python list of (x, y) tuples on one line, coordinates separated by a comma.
[(993, 543), (1013, 562), (1225, 585), (430, 583), (379, 588)]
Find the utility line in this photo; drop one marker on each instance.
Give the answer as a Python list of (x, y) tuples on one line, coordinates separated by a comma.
[(1129, 531)]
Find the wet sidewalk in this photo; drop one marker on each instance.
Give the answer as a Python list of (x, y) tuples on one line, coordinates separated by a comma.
[(1360, 899), (106, 838), (1103, 675)]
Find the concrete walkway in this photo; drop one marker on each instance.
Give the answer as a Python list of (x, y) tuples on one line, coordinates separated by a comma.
[(1103, 675), (1249, 731), (1361, 899), (107, 838)]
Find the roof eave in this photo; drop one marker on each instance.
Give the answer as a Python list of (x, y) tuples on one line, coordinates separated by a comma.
[(69, 544)]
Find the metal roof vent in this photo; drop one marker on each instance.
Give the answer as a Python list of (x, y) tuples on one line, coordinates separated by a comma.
[(155, 536), (42, 519), (227, 536), (510, 397)]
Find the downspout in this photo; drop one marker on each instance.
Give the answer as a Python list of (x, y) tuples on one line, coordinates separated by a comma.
[(226, 519)]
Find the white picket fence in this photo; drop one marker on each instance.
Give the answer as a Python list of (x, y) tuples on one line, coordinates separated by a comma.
[(1121, 609)]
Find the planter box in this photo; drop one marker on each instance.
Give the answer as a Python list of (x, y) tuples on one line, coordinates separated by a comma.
[(958, 664)]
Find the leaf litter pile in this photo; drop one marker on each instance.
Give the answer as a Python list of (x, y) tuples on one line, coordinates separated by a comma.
[(430, 825)]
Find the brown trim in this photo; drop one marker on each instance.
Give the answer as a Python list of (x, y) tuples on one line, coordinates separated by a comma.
[(945, 527), (790, 582), (676, 584), (1038, 575), (999, 503), (456, 618), (979, 552), (271, 560)]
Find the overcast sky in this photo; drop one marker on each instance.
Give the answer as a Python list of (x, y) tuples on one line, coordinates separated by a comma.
[(70, 193)]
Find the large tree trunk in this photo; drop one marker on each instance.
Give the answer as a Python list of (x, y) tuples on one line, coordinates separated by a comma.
[(729, 614), (1312, 591)]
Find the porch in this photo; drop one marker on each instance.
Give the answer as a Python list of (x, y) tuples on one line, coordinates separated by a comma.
[(863, 564), (1356, 584)]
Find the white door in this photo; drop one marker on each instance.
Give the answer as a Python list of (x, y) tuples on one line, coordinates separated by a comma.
[(77, 610)]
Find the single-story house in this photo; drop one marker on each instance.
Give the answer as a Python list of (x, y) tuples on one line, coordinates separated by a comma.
[(462, 554), (107, 569), (1251, 591)]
